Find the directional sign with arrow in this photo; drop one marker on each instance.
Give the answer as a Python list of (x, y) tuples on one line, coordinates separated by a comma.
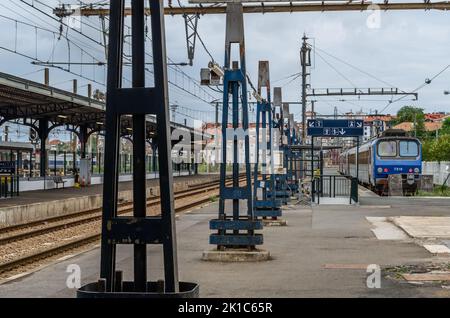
[(335, 127)]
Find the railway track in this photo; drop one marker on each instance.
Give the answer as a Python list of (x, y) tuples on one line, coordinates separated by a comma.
[(14, 234), (42, 222)]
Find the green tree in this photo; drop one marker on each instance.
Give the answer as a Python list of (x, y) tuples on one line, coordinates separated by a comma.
[(436, 149), (441, 148), (426, 150), (414, 115), (446, 126)]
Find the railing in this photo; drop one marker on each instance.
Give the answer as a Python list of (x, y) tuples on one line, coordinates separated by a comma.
[(332, 186), (9, 186)]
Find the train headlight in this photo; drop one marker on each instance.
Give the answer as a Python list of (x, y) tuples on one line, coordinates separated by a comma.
[(380, 170), (416, 170)]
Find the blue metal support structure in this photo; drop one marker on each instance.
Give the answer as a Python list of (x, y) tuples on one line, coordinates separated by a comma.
[(137, 230), (281, 188), (290, 156), (264, 207), (236, 230)]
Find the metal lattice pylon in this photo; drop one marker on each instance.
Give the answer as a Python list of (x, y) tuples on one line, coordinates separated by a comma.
[(236, 230), (281, 191), (265, 181), (138, 230)]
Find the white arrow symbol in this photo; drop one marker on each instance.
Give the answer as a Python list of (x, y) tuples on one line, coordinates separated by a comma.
[(311, 124), (342, 132), (359, 124)]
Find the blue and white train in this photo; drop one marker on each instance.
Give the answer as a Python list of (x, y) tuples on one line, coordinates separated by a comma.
[(392, 153)]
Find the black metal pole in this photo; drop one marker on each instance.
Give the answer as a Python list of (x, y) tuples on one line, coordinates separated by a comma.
[(65, 162), (312, 157), (164, 147), (31, 164), (111, 176), (19, 161), (100, 162), (139, 174), (303, 58), (321, 170), (235, 90), (357, 158), (54, 163), (74, 162), (83, 140), (43, 134)]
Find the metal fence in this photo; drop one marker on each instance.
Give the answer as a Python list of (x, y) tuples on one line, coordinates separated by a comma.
[(332, 186), (9, 186)]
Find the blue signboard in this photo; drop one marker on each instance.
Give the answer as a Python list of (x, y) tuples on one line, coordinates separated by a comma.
[(335, 127)]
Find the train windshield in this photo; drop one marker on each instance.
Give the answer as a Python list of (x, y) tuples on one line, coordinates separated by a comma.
[(387, 149), (408, 148)]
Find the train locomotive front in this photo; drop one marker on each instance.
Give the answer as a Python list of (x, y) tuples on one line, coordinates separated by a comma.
[(384, 156)]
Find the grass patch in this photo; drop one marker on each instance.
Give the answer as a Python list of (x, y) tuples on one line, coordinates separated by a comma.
[(213, 198), (438, 191)]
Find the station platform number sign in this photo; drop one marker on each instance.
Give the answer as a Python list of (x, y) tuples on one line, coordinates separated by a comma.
[(335, 127)]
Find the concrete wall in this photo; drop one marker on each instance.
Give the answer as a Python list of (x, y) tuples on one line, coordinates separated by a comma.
[(42, 210), (439, 170)]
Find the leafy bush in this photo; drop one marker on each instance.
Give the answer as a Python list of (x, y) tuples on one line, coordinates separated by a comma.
[(437, 149)]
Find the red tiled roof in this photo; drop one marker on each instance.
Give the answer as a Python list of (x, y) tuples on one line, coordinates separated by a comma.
[(409, 126), (435, 116)]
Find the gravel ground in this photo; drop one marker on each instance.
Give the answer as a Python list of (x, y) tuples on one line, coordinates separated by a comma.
[(39, 243)]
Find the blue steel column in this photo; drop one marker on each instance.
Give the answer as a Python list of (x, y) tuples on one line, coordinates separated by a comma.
[(290, 155), (236, 230), (264, 207), (282, 192)]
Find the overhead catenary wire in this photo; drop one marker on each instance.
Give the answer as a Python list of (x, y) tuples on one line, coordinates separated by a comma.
[(99, 43), (337, 71), (286, 77), (31, 73), (35, 58), (355, 67), (428, 81), (60, 21), (292, 80)]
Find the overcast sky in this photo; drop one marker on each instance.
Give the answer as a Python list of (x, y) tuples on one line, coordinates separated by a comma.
[(407, 48)]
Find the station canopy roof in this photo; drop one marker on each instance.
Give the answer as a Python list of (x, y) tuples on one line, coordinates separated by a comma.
[(22, 99)]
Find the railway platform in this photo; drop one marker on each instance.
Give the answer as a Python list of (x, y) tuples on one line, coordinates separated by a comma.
[(325, 251), (40, 204)]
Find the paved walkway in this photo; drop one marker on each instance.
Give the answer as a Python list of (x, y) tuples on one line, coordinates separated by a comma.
[(323, 252)]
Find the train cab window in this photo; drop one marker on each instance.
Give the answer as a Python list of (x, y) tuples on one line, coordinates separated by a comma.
[(387, 149), (409, 148)]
